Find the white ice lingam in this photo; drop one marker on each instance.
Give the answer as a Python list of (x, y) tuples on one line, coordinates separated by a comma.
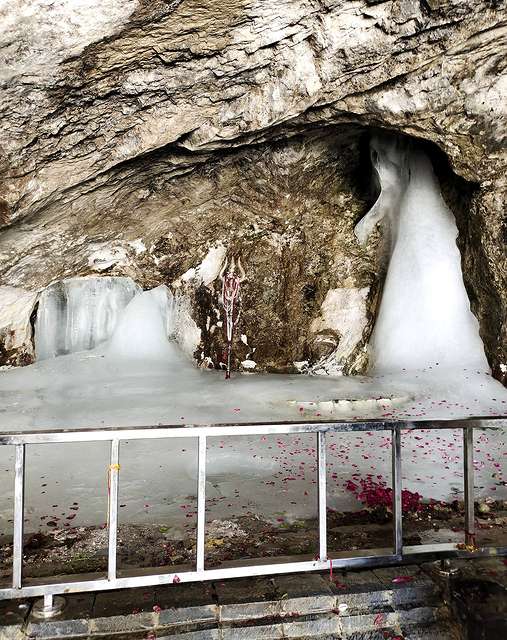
[(424, 319)]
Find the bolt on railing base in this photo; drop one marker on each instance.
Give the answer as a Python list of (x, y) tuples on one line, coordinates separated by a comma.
[(445, 568), (48, 607)]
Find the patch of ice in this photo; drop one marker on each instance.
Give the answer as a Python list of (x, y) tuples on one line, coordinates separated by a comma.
[(80, 313), (16, 306), (209, 268)]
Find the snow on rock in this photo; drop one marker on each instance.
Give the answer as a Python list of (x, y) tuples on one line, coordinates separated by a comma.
[(181, 325), (209, 268), (104, 255), (16, 307), (80, 313), (343, 312), (207, 271)]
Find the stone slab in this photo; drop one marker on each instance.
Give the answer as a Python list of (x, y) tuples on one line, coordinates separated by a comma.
[(247, 599), (431, 632), (203, 614), (304, 594), (189, 594), (302, 585), (417, 577), (249, 610), (388, 619), (124, 623), (49, 629), (74, 619), (258, 632), (206, 634), (355, 581), (256, 589), (123, 602), (316, 627)]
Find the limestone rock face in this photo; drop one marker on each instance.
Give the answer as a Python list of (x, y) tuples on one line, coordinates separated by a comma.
[(16, 344), (137, 137)]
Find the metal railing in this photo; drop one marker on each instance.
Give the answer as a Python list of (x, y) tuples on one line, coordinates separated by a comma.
[(156, 576)]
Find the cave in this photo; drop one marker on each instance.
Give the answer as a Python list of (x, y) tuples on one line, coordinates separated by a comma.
[(241, 133), (286, 206), (351, 248), (274, 220)]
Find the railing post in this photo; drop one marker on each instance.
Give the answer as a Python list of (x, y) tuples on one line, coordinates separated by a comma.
[(321, 463), (468, 480), (201, 502), (112, 516), (396, 482), (19, 509)]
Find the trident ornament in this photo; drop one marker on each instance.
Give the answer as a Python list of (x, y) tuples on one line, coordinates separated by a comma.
[(231, 301)]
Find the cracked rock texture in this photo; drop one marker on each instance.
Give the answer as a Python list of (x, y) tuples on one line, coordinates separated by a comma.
[(137, 136)]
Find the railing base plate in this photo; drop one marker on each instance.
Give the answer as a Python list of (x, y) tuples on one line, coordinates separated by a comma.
[(42, 611)]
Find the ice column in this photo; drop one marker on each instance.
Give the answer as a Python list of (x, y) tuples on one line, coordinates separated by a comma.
[(424, 316), (143, 330), (80, 313)]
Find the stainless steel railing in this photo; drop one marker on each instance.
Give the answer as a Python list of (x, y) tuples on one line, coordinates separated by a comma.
[(155, 576)]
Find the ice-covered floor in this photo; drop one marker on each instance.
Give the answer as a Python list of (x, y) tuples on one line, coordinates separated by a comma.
[(91, 389), (270, 476)]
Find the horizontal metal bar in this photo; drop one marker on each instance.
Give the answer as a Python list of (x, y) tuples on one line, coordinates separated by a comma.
[(189, 431), (228, 429), (411, 554)]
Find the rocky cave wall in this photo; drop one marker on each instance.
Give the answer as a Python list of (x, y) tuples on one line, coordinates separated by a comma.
[(138, 142), (286, 209)]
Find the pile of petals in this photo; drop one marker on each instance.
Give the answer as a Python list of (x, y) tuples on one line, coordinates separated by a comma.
[(376, 493)]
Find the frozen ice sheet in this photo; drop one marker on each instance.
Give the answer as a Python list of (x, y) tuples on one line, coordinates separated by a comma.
[(90, 389)]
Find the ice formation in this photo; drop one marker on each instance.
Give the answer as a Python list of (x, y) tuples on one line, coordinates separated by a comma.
[(424, 318), (142, 331), (80, 313)]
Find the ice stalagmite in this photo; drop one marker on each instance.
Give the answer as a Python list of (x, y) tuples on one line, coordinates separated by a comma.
[(80, 313), (142, 332), (424, 316)]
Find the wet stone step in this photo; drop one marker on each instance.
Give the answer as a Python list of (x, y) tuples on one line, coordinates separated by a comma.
[(288, 606)]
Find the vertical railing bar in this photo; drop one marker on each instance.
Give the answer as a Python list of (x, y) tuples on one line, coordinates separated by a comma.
[(321, 463), (112, 515), (397, 488), (201, 503), (19, 509), (468, 480)]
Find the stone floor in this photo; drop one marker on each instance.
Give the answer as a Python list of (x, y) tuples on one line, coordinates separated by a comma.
[(411, 603)]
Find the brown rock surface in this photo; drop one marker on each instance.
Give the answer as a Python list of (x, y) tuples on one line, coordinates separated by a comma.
[(134, 142)]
